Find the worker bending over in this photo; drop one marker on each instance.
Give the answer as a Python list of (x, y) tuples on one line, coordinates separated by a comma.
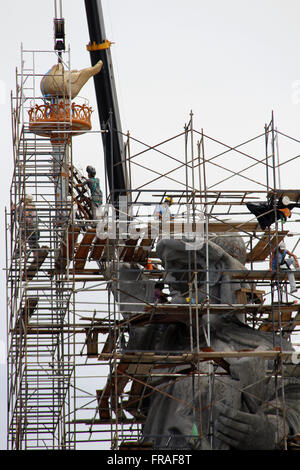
[(278, 258)]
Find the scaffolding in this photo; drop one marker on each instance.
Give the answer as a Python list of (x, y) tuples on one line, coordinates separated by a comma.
[(74, 379)]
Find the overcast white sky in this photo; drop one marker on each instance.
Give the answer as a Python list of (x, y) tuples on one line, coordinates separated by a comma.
[(231, 62)]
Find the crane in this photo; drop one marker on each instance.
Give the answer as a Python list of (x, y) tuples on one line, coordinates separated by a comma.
[(107, 103)]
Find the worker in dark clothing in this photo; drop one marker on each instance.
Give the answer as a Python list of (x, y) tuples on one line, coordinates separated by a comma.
[(158, 295), (267, 214), (96, 194)]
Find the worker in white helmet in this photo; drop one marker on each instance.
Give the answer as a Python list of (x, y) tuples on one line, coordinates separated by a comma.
[(285, 260), (25, 214)]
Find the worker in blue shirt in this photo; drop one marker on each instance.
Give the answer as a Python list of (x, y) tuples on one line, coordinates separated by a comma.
[(279, 258), (162, 211)]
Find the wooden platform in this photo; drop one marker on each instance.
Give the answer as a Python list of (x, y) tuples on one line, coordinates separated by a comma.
[(178, 226), (110, 344), (230, 226), (293, 194), (114, 387), (260, 275), (137, 367), (181, 313), (29, 307), (134, 250), (97, 249), (136, 445), (183, 358), (127, 252), (67, 248), (36, 264), (137, 370), (265, 245), (83, 249), (272, 322), (250, 295)]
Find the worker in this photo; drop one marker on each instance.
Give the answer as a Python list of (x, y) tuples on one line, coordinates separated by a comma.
[(162, 211), (278, 258), (190, 300), (25, 213), (158, 295), (96, 194), (267, 214), (149, 265)]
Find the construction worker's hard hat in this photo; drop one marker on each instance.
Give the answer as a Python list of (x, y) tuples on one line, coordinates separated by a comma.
[(28, 197), (282, 245), (91, 170), (286, 200), (169, 200)]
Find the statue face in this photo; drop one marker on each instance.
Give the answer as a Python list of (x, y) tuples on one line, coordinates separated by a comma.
[(180, 265)]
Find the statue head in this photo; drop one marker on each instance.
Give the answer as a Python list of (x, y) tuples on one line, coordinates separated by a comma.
[(211, 261)]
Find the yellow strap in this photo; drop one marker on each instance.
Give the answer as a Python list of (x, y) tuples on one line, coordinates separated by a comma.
[(97, 47)]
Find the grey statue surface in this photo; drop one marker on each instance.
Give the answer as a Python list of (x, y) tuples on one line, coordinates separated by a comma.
[(238, 409)]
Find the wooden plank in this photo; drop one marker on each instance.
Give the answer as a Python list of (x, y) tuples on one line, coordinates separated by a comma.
[(137, 392), (229, 226), (285, 318), (84, 248), (67, 248), (127, 252), (220, 361), (170, 314), (92, 343), (217, 226), (256, 295), (143, 250), (104, 395), (295, 322), (293, 194), (86, 271), (136, 445), (27, 311), (116, 384), (103, 405), (262, 249), (261, 275), (98, 248), (122, 420), (109, 345), (29, 307), (36, 264), (186, 358)]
